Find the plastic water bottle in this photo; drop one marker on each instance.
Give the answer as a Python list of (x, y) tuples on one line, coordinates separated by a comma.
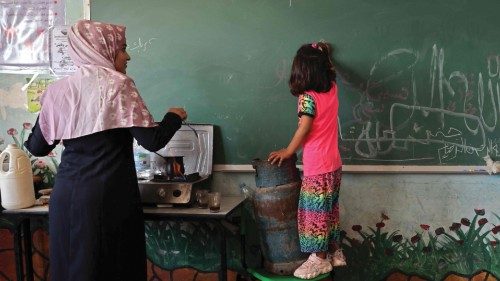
[(16, 179), (142, 161)]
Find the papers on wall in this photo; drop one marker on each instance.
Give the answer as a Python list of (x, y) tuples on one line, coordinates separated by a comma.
[(60, 62), (24, 25)]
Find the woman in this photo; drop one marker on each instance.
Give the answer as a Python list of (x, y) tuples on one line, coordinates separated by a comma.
[(96, 225)]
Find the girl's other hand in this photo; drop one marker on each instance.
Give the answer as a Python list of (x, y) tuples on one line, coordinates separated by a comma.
[(279, 156), (179, 111)]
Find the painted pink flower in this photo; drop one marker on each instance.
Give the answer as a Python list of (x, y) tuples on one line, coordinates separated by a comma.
[(397, 238), (482, 221), (380, 225), (357, 227), (479, 212), (40, 164), (439, 231), (27, 126), (425, 226), (465, 221), (415, 239), (496, 229), (12, 132), (455, 226)]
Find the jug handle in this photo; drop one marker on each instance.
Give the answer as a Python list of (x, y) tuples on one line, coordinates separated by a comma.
[(3, 155)]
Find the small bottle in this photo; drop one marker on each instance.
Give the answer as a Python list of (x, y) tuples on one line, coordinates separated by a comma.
[(142, 161)]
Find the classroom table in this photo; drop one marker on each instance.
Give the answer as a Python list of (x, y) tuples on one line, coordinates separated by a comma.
[(21, 220)]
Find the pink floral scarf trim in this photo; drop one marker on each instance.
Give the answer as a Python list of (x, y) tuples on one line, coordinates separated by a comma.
[(96, 97)]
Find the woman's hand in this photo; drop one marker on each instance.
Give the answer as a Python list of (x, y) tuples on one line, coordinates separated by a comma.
[(179, 111), (279, 156)]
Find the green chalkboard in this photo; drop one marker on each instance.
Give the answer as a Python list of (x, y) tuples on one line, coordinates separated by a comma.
[(418, 80)]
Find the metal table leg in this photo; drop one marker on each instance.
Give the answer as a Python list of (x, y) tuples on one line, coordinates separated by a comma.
[(223, 254), (18, 246), (28, 251)]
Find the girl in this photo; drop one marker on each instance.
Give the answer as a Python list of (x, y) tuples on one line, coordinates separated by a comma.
[(312, 80)]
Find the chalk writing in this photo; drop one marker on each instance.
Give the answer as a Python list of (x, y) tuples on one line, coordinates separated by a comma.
[(454, 115), (142, 46)]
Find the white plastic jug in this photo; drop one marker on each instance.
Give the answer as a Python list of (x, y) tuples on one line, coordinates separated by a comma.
[(16, 179)]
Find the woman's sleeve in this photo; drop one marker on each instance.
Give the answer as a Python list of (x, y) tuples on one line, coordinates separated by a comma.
[(36, 143), (155, 138)]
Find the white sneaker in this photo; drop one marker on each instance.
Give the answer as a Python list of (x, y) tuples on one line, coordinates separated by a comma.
[(313, 267), (337, 258)]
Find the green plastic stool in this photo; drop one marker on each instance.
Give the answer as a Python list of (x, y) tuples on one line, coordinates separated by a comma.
[(263, 275)]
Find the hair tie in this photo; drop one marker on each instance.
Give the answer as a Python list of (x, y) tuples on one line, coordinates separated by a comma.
[(315, 46)]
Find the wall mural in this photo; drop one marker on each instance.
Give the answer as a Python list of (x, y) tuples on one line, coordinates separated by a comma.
[(466, 250), (457, 252), (175, 251)]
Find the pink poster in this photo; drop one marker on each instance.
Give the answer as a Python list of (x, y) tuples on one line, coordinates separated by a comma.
[(24, 35)]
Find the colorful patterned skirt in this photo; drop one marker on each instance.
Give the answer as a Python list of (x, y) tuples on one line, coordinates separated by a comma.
[(318, 212)]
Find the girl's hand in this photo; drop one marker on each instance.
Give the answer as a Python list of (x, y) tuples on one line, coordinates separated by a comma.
[(179, 111), (279, 156)]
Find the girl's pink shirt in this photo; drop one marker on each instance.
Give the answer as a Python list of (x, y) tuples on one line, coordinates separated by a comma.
[(320, 149)]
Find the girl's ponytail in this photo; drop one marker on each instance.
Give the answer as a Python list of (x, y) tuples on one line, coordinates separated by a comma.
[(327, 49)]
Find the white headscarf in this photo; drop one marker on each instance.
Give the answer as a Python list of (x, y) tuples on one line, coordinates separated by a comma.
[(96, 97)]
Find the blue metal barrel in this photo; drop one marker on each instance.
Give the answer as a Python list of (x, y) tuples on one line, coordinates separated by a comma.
[(275, 211), (267, 174)]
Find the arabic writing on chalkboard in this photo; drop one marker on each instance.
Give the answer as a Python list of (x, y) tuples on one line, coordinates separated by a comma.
[(450, 113)]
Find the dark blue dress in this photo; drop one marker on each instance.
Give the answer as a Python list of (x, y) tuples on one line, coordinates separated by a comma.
[(96, 226)]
